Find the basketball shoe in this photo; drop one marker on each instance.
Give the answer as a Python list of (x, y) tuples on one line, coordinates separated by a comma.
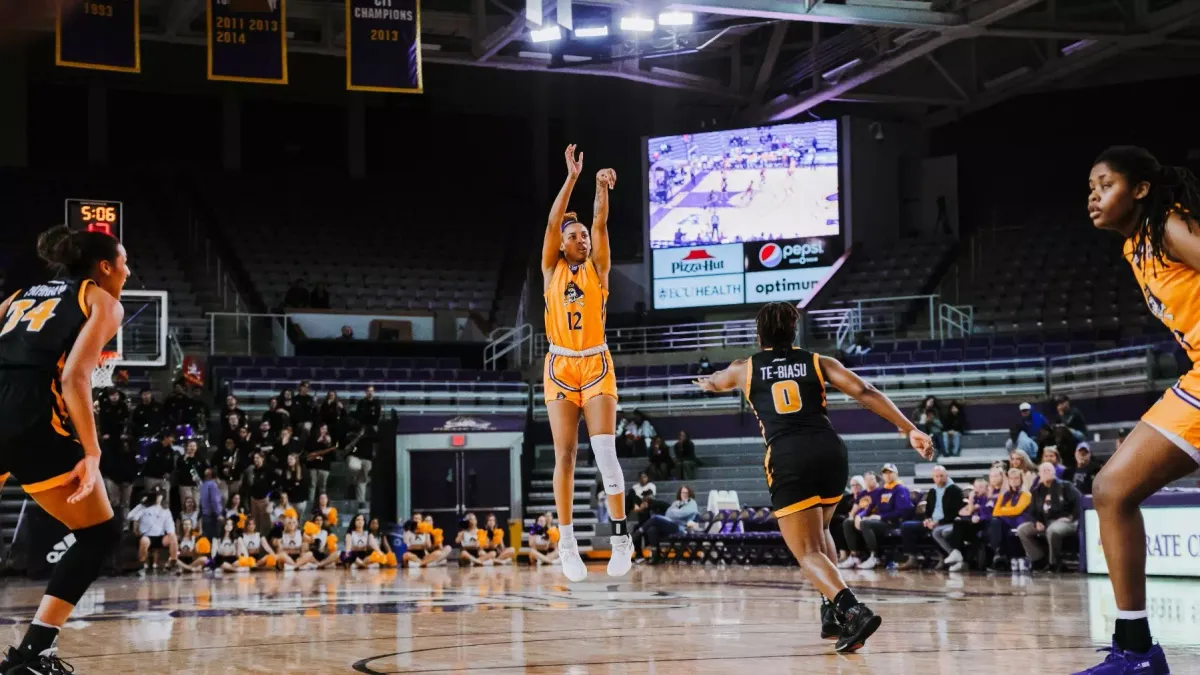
[(622, 555), (830, 628), (17, 662), (1121, 662), (572, 562), (858, 624)]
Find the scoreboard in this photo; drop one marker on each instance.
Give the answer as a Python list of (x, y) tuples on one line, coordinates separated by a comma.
[(95, 215)]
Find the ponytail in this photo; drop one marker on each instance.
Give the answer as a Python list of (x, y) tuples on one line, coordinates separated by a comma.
[(75, 253)]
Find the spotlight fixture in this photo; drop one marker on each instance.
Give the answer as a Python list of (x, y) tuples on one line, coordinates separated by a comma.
[(676, 19), (637, 24), (547, 34), (591, 32)]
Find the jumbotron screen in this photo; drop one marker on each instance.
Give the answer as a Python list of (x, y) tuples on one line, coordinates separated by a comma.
[(743, 216)]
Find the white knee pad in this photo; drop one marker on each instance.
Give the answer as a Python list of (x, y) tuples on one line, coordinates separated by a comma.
[(604, 448)]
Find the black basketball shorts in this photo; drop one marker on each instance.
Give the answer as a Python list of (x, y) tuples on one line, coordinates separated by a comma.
[(37, 448), (806, 469)]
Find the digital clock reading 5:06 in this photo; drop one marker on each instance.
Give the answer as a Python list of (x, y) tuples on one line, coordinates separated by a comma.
[(94, 215)]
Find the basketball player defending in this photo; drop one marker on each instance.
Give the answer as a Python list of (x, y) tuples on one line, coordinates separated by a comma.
[(806, 463), (1154, 208), (579, 371), (50, 343)]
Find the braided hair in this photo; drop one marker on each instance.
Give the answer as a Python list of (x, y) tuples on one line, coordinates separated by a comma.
[(1172, 189), (777, 323)]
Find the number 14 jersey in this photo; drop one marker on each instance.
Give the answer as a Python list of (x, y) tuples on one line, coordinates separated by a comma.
[(786, 390)]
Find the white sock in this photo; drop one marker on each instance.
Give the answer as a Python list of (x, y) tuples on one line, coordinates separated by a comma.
[(1133, 616), (566, 533)]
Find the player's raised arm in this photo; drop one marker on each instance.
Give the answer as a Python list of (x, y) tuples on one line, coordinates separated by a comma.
[(104, 319), (606, 180), (553, 240), (874, 400), (732, 377)]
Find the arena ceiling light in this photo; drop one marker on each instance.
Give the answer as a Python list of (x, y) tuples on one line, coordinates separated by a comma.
[(591, 32), (637, 24), (676, 19), (547, 34)]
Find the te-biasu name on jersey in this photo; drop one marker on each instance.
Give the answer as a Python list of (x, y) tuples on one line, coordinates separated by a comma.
[(784, 371), (383, 10)]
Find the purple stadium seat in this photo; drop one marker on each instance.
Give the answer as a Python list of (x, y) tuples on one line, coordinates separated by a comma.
[(276, 373), (325, 374), (489, 375), (1028, 350), (954, 343), (1003, 352), (656, 371), (950, 355), (635, 371), (512, 376), (874, 358), (976, 353), (680, 369), (979, 342), (924, 356), (444, 375), (425, 362), (449, 363), (223, 374), (907, 345), (900, 358), (944, 368), (241, 360), (1055, 349), (374, 374), (884, 347), (357, 362), (401, 362), (929, 345)]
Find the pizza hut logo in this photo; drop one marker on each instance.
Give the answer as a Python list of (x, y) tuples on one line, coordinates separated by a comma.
[(697, 261)]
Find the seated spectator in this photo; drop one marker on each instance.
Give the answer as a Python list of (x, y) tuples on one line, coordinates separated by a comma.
[(1053, 511), (642, 512), (226, 549), (928, 405), (1008, 514), (329, 513), (1050, 455), (972, 519), (320, 296), (954, 424), (147, 419), (942, 504), (1018, 459), (1024, 433), (292, 552), (892, 505), (931, 425), (660, 460), (543, 548), (643, 432), (685, 457), (638, 492), (682, 511), (347, 333), (358, 550), (440, 551), (155, 529), (866, 505), (503, 555), (297, 296), (845, 510), (1071, 419), (193, 549), (320, 543), (379, 542), (188, 511), (471, 552), (256, 553), (1084, 472)]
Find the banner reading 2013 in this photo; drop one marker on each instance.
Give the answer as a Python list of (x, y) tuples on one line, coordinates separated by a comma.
[(247, 41), (383, 46)]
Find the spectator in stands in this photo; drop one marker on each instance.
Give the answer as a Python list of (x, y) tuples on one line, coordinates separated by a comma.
[(333, 415), (685, 457), (862, 345), (639, 490), (682, 511), (542, 551), (928, 405), (160, 464), (942, 504), (113, 418), (278, 417), (319, 460), (119, 467), (189, 473), (661, 463), (320, 296), (470, 552), (1018, 459), (704, 366), (1071, 419), (177, 408), (845, 510), (1050, 454), (231, 408), (347, 333), (627, 439), (954, 425), (293, 483), (501, 553), (147, 416), (231, 425), (1053, 509), (643, 432), (189, 510), (1007, 515), (368, 412), (893, 505), (297, 296), (930, 424), (852, 527), (302, 411), (1084, 472), (155, 529), (285, 446), (210, 505), (264, 437), (972, 519), (258, 482), (1025, 433), (224, 464)]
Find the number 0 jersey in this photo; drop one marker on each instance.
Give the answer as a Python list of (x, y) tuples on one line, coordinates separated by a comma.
[(786, 390), (575, 307)]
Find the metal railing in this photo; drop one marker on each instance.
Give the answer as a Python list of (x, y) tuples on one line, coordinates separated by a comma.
[(679, 337), (206, 251), (413, 398), (517, 341), (955, 321), (1110, 370), (236, 334), (840, 325), (883, 317)]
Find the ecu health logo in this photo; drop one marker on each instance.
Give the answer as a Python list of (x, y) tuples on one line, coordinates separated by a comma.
[(572, 295)]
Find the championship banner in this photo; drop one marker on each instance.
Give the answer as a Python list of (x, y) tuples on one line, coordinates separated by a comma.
[(247, 41), (383, 46), (99, 35)]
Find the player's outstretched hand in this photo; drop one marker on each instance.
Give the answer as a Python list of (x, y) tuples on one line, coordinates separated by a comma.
[(704, 383), (87, 472), (574, 165), (921, 442), (607, 178)]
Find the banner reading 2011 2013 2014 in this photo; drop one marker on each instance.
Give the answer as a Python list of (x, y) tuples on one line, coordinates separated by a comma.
[(247, 41), (99, 35), (383, 46)]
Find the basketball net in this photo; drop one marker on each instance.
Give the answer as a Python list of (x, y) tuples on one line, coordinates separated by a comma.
[(102, 376)]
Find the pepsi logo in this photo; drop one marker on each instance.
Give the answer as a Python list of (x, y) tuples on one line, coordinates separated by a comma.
[(770, 255)]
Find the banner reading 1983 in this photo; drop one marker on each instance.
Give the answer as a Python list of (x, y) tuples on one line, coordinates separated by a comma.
[(247, 41), (99, 35), (383, 46)]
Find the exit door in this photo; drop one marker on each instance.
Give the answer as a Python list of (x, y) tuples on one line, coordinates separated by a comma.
[(448, 484)]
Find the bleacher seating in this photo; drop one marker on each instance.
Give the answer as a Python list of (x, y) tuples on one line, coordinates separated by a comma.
[(901, 268), (370, 256)]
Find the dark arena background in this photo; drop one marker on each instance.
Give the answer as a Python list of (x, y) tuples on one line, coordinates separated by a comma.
[(334, 212)]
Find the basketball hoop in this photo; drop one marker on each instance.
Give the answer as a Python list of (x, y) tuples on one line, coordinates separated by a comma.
[(102, 376)]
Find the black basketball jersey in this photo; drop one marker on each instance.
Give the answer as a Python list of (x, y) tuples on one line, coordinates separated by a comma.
[(41, 325), (786, 392)]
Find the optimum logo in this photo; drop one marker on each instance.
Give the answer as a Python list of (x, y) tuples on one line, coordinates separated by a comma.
[(697, 261), (770, 255), (60, 548)]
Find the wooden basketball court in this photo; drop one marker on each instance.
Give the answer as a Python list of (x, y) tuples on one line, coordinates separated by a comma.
[(658, 620)]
